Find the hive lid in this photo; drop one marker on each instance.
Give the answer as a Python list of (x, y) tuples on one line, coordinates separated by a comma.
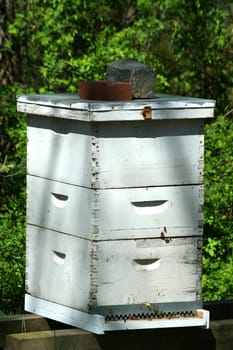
[(70, 106)]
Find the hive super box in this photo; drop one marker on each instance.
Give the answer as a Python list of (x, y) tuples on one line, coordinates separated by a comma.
[(115, 210)]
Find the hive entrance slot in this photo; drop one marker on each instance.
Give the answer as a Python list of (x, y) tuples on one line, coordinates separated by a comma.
[(150, 207)]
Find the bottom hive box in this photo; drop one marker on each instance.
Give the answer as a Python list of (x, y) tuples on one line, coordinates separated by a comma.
[(148, 271), (83, 275), (57, 267)]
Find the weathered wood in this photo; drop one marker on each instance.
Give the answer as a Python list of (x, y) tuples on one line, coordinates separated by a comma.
[(58, 103), (58, 267), (156, 212), (136, 154), (75, 339), (221, 331), (77, 271), (114, 205), (154, 153), (223, 334), (59, 206), (114, 115), (218, 337), (135, 271), (67, 339), (153, 212), (21, 323)]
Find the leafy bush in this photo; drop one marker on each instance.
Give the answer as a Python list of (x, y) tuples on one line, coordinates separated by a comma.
[(12, 247), (218, 234), (12, 199)]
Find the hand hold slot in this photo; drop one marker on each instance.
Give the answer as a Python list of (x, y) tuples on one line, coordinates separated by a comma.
[(59, 200), (58, 257), (147, 264), (150, 207)]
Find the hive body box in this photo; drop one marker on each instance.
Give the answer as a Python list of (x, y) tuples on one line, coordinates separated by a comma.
[(114, 207)]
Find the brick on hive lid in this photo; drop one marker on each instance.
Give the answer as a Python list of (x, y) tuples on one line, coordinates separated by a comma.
[(105, 90)]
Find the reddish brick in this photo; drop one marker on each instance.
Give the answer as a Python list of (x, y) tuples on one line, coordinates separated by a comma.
[(105, 90)]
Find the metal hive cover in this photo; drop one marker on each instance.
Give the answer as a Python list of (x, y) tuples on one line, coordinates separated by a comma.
[(70, 106)]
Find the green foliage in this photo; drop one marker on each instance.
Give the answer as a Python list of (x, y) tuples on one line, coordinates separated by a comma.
[(187, 43), (12, 247), (218, 244), (219, 175), (12, 199)]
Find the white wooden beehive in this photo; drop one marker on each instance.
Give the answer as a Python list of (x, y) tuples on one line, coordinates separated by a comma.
[(114, 208)]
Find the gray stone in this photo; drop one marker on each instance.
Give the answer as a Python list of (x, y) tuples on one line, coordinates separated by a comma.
[(140, 75)]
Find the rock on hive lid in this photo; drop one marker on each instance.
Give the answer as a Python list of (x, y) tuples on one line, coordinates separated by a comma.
[(140, 75)]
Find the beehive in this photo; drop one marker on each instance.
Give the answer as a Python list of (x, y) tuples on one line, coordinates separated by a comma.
[(114, 207)]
